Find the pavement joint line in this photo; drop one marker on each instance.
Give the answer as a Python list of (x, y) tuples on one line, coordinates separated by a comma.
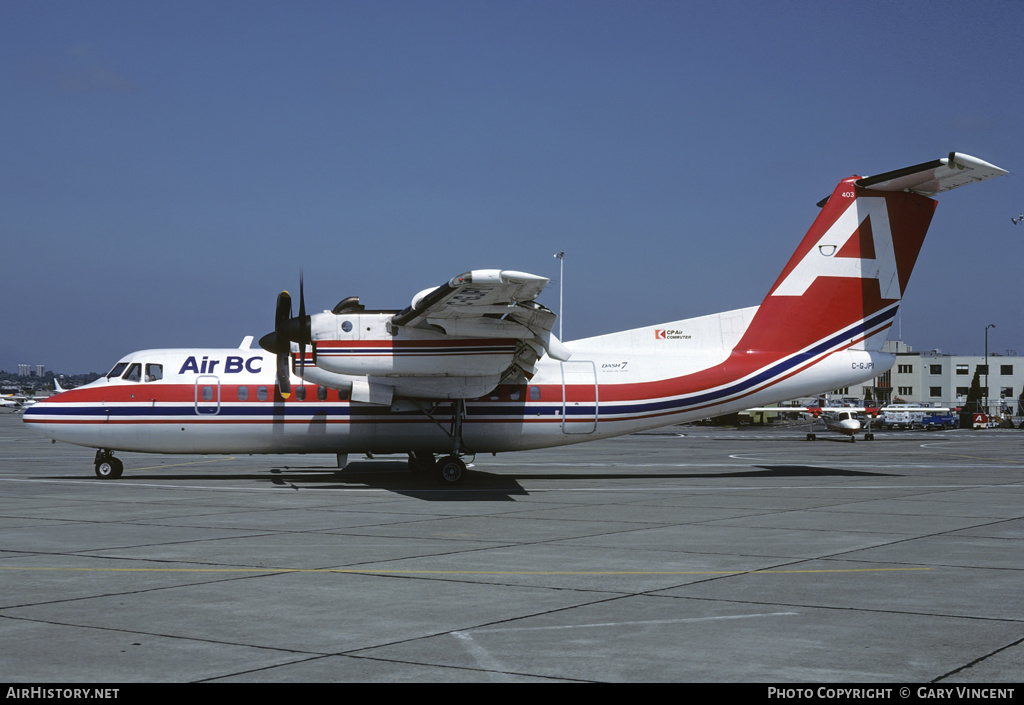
[(465, 633), (375, 571)]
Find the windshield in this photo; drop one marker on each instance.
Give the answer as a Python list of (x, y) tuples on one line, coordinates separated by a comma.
[(118, 369)]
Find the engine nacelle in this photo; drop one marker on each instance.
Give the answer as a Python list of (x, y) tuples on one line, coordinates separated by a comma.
[(364, 344)]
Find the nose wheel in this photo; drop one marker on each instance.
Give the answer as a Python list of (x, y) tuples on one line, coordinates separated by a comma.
[(107, 466)]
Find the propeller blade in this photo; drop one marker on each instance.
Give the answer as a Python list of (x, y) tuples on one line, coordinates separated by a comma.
[(282, 344), (276, 342), (284, 309), (284, 383), (303, 324), (288, 330)]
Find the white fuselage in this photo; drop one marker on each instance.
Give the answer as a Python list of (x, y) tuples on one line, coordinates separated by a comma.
[(226, 401)]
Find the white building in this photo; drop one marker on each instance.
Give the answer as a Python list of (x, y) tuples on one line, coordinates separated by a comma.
[(946, 379), (939, 379)]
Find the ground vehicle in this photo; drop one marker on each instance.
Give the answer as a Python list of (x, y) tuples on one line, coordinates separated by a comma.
[(901, 416), (939, 421)]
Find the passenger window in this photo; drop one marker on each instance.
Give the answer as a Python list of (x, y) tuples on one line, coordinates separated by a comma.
[(207, 393), (535, 393), (243, 393), (321, 393), (300, 393), (514, 394), (134, 373), (342, 395), (261, 393), (154, 373)]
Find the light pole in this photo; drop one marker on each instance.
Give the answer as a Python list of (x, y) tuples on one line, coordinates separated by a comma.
[(561, 265), (990, 325)]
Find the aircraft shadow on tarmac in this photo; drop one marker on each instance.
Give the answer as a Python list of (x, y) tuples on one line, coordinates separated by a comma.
[(481, 486)]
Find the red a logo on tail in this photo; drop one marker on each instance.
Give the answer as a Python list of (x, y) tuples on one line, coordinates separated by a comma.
[(858, 245)]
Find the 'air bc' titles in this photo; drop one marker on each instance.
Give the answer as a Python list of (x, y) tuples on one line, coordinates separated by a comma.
[(232, 364)]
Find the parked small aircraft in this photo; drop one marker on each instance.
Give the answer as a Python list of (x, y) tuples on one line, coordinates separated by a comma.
[(18, 402), (845, 420), (471, 366), (11, 401)]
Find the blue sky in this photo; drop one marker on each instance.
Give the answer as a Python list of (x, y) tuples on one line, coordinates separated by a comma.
[(168, 168)]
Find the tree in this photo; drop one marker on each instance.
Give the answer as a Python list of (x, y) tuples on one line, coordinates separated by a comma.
[(973, 404)]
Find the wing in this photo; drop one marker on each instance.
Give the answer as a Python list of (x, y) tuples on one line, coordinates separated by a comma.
[(870, 410), (458, 340), (488, 303), (473, 294)]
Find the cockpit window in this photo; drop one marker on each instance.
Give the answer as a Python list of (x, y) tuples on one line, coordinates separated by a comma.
[(118, 369), (154, 373), (134, 373)]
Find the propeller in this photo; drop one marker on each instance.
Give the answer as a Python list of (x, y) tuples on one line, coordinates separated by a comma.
[(304, 324), (288, 330)]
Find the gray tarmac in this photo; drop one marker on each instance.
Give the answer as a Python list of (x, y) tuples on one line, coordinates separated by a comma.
[(693, 554)]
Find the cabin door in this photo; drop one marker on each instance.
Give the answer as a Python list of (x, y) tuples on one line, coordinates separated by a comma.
[(579, 397)]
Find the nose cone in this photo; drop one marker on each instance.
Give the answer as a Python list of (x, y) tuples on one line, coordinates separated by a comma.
[(850, 424), (36, 414), (49, 415)]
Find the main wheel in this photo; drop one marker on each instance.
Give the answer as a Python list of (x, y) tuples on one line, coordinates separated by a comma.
[(109, 468), (451, 471)]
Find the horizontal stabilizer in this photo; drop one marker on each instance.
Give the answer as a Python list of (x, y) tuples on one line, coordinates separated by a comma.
[(934, 177)]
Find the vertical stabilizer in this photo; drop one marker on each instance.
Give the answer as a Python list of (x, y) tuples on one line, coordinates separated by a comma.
[(843, 285), (845, 281)]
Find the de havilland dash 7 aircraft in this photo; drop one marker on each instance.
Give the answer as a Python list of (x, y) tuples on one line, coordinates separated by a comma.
[(471, 366)]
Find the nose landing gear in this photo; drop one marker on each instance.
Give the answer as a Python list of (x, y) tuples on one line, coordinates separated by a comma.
[(107, 466)]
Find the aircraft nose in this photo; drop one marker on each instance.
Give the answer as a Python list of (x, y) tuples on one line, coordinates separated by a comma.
[(31, 413)]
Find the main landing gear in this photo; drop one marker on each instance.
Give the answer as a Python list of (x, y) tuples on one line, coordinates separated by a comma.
[(449, 470), (107, 466)]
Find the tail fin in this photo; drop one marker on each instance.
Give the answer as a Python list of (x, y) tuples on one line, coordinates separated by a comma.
[(843, 285)]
